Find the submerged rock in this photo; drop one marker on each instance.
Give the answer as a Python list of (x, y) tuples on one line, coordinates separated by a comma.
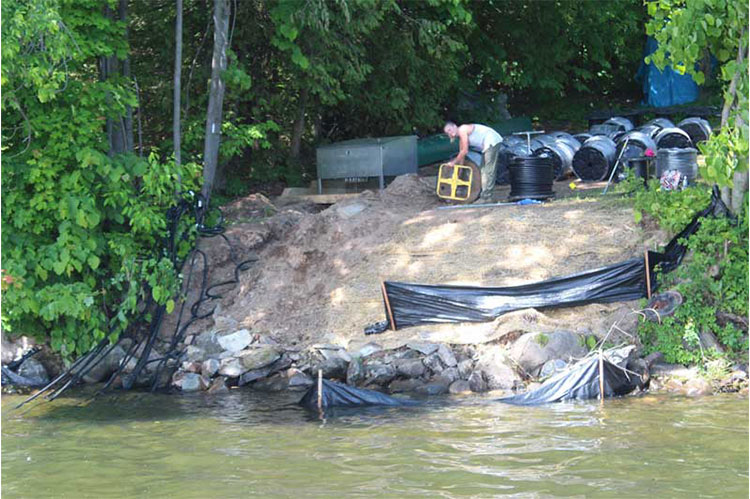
[(460, 386), (34, 371)]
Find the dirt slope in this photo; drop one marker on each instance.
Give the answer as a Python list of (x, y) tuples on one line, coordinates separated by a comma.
[(319, 274)]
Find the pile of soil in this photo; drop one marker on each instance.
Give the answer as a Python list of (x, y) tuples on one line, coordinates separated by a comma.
[(318, 275)]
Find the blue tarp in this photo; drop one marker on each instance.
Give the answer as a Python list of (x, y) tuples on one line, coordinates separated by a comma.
[(665, 88)]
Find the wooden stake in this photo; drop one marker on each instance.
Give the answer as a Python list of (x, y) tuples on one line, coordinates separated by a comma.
[(648, 275), (388, 306), (601, 376), (320, 390)]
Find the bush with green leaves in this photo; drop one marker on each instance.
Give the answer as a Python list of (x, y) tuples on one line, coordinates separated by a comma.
[(713, 280), (83, 230)]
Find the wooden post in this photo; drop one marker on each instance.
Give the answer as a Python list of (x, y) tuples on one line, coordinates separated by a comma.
[(648, 275), (388, 306), (601, 376), (320, 390)]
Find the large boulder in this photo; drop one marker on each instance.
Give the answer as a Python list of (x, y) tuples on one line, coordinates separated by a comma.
[(257, 358), (378, 373), (495, 365), (236, 341), (105, 364), (532, 350), (410, 368)]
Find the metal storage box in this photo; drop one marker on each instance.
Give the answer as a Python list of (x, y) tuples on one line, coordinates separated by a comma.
[(379, 157)]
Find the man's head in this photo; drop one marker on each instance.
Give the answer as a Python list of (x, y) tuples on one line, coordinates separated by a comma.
[(451, 129)]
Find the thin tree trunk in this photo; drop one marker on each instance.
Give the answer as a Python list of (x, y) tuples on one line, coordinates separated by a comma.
[(215, 97), (128, 141), (736, 196), (299, 125), (176, 136)]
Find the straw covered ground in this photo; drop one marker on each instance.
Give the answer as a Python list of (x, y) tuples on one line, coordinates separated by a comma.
[(318, 276)]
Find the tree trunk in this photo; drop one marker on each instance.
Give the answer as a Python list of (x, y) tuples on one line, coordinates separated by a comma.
[(127, 124), (119, 128), (299, 125), (739, 188), (176, 136), (215, 97)]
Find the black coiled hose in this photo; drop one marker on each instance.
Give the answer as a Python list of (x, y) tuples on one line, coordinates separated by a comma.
[(673, 137), (561, 155), (684, 161), (624, 124), (595, 158), (697, 128), (637, 145), (531, 177)]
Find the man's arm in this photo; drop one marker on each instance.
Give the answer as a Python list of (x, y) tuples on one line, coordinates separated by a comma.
[(463, 144)]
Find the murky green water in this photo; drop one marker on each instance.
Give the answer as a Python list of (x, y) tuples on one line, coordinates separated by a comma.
[(243, 443)]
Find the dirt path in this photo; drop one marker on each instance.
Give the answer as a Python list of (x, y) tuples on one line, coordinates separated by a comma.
[(319, 274)]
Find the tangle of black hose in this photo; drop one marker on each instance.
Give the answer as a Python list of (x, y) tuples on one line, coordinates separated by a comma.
[(196, 207)]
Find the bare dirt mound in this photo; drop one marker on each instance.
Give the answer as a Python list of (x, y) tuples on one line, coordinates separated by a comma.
[(318, 276)]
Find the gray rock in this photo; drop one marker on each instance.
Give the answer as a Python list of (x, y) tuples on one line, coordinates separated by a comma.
[(423, 347), (708, 341), (298, 379), (234, 342), (209, 342), (224, 323), (496, 371), (334, 367), (532, 350), (194, 354), (378, 373), (368, 349), (551, 367), (446, 356), (105, 366), (436, 386), (349, 210), (191, 382), (191, 367), (263, 372), (226, 354), (355, 372), (459, 386), (231, 368), (210, 367), (464, 368), (697, 386), (433, 363), (275, 383), (477, 382), (411, 368), (451, 374), (404, 385), (218, 385), (34, 371), (257, 358)]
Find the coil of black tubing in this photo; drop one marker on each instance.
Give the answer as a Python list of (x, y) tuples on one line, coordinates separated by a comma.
[(569, 141), (603, 129), (684, 160), (582, 137), (651, 130), (697, 128), (673, 138), (595, 159), (531, 177), (561, 155), (661, 123), (625, 124), (638, 144)]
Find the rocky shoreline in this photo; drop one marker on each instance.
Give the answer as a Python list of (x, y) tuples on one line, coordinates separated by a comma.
[(216, 362)]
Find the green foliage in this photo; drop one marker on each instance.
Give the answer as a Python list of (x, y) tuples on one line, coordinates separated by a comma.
[(672, 210), (80, 228), (713, 278), (688, 32)]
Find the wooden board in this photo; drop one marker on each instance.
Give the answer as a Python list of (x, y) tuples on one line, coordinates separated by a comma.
[(320, 198)]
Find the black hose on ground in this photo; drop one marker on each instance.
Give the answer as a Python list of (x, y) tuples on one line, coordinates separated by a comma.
[(531, 177)]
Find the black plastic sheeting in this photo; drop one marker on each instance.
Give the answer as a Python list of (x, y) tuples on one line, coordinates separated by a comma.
[(415, 304), (340, 395), (580, 383)]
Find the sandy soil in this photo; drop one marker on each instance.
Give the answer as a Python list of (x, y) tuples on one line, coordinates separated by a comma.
[(318, 275)]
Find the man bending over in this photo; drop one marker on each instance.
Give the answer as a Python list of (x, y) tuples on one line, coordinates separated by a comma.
[(482, 139)]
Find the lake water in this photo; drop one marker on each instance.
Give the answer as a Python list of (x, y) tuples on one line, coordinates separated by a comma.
[(250, 444)]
